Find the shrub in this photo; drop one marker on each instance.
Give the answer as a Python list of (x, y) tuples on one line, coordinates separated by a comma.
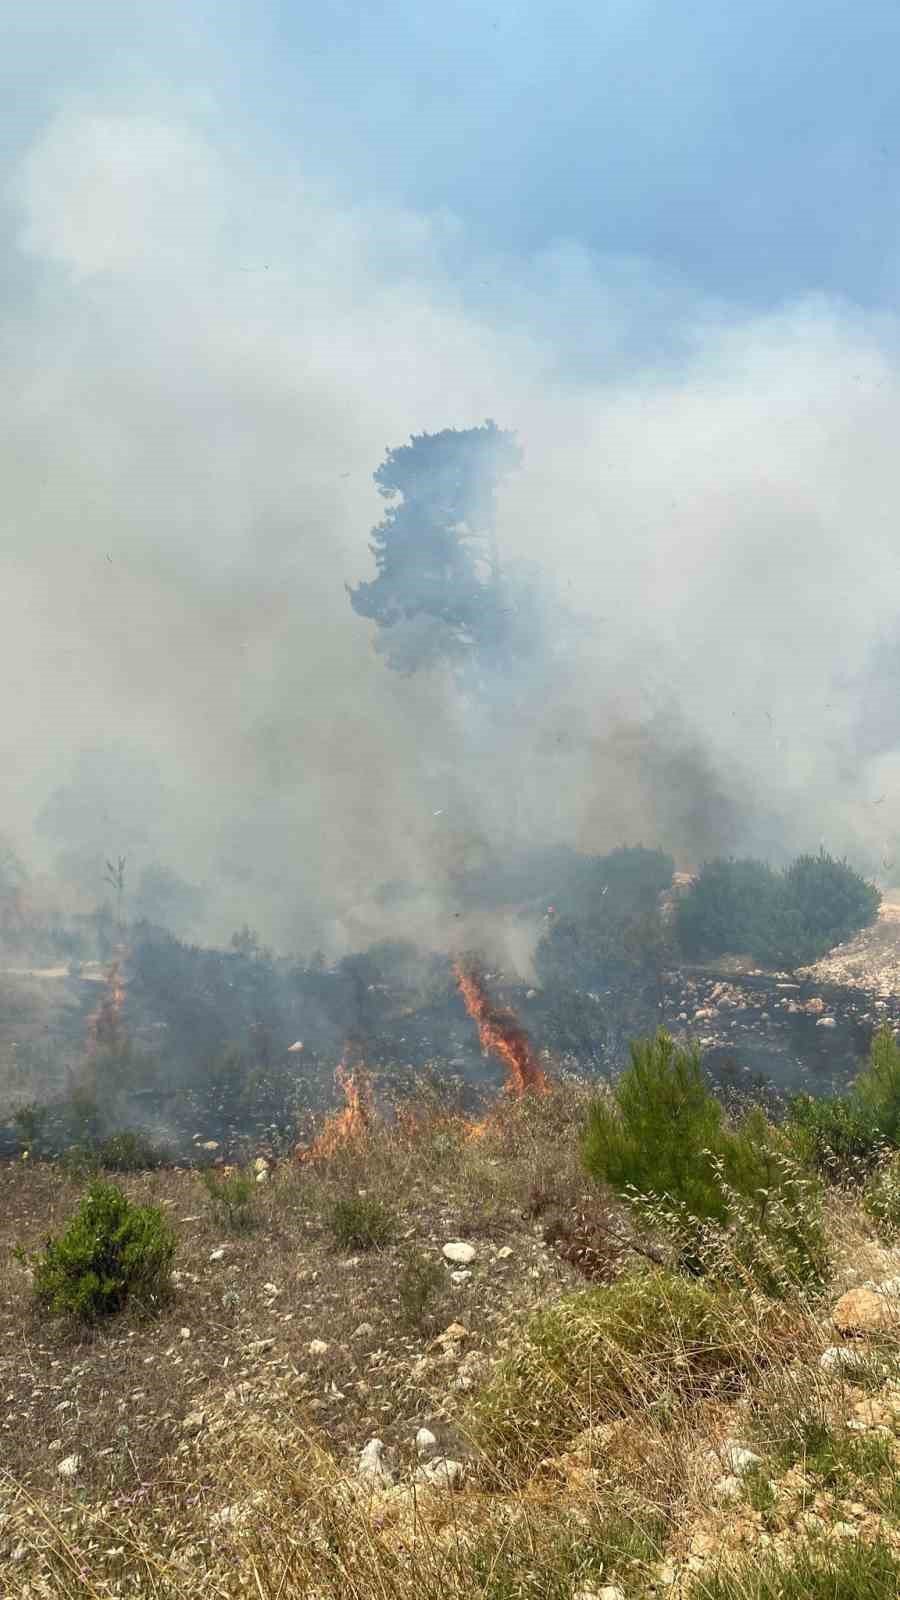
[(660, 1131), (420, 1282), (877, 1089), (641, 1342), (828, 902), (838, 1137), (360, 1222), (662, 1144), (111, 1252), (127, 1152), (726, 908), (786, 919), (232, 1198), (881, 1199)]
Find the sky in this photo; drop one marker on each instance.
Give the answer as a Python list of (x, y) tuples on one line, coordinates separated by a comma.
[(248, 249)]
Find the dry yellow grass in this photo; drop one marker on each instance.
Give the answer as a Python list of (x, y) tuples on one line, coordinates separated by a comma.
[(218, 1442)]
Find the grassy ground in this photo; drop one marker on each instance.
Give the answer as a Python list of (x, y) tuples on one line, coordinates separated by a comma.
[(592, 1397)]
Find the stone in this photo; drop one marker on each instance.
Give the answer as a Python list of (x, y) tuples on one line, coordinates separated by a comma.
[(442, 1473), (505, 1253), (862, 1311), (842, 1358), (452, 1335), (426, 1443), (737, 1458), (317, 1347), (461, 1276), (372, 1466), (69, 1467), (459, 1252), (263, 1176), (826, 1022), (727, 1489)]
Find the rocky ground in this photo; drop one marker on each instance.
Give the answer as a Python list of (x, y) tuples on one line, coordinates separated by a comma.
[(298, 1421)]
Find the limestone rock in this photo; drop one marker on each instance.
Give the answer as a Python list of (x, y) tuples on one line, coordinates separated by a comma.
[(459, 1252), (441, 1473), (371, 1466), (863, 1311)]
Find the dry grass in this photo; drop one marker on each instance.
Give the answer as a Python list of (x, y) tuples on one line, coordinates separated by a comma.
[(217, 1449)]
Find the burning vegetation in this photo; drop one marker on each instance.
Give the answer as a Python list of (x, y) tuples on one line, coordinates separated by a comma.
[(501, 1034), (350, 1125)]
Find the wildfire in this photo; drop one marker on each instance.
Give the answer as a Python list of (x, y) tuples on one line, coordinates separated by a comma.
[(349, 1126), (106, 1028), (502, 1035)]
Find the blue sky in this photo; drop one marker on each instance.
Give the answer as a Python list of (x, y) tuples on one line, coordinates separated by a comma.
[(749, 150)]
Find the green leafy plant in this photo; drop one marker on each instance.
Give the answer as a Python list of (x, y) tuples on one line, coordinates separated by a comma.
[(881, 1199), (360, 1222), (232, 1197), (730, 1198), (419, 1285), (112, 1252), (839, 1137), (786, 919)]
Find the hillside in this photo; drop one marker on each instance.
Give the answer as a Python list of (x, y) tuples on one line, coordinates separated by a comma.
[(224, 1447)]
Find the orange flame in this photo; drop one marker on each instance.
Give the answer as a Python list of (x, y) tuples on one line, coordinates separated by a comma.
[(352, 1124), (106, 1028), (502, 1035)]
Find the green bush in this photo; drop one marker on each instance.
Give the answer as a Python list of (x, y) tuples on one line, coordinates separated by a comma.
[(646, 1341), (729, 1197), (726, 908), (881, 1199), (838, 1137), (127, 1152), (419, 1285), (112, 1252), (232, 1197), (877, 1089), (784, 919), (360, 1222)]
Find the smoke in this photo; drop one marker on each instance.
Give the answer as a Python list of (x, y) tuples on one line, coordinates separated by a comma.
[(206, 359)]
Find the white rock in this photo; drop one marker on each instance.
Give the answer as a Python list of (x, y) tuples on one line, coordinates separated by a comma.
[(317, 1347), (371, 1464), (426, 1443), (217, 1255), (460, 1276), (263, 1176), (442, 1473), (737, 1458), (184, 1333), (826, 1022), (505, 1253), (727, 1489), (460, 1252), (841, 1358), (69, 1467)]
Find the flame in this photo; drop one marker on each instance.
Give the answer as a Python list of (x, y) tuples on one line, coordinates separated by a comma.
[(352, 1124), (106, 1028), (502, 1035)]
